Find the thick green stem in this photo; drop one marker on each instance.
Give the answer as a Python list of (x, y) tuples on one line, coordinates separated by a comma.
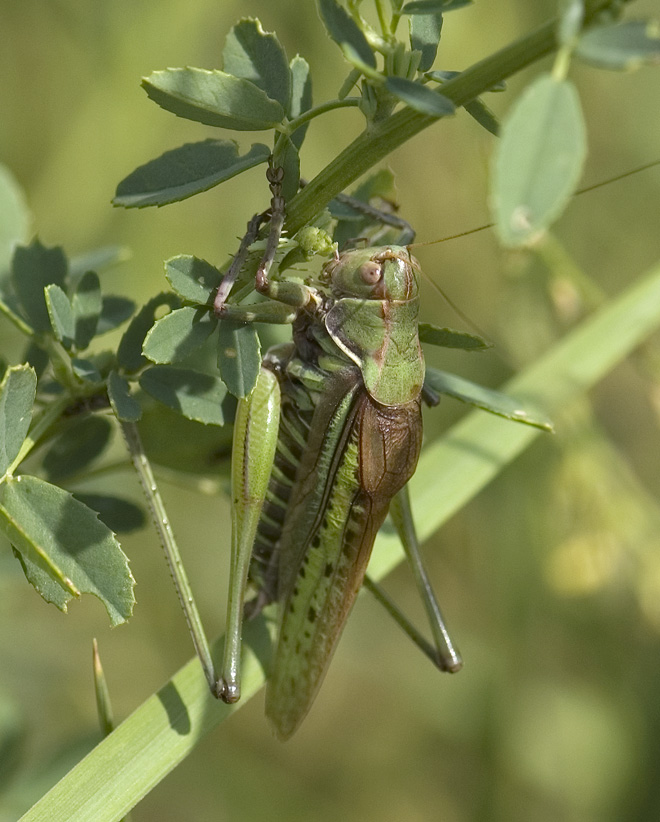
[(374, 145)]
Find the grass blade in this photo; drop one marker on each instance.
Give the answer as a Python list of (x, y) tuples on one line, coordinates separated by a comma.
[(165, 728)]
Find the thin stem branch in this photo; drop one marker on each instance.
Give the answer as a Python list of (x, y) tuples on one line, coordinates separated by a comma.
[(322, 108), (48, 417), (382, 18), (22, 326)]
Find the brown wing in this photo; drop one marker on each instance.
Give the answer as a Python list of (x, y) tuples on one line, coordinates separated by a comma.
[(331, 540)]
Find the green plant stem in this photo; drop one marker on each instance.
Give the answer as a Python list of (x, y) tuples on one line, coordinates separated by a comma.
[(394, 23), (22, 326), (375, 144), (382, 18), (171, 549), (56, 351), (60, 363), (48, 417), (322, 108)]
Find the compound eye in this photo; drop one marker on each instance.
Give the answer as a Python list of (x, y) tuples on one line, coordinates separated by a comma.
[(370, 273)]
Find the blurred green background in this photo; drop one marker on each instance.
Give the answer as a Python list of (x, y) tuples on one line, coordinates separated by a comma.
[(550, 578)]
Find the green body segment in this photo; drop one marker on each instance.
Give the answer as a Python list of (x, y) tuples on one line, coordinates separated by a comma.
[(392, 366), (349, 439), (374, 320)]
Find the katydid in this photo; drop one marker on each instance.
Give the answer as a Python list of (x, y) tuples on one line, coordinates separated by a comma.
[(323, 446), (328, 438)]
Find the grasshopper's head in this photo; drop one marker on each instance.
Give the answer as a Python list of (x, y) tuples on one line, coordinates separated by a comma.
[(386, 273), (373, 319)]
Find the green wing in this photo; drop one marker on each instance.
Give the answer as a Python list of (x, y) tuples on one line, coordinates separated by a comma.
[(359, 454)]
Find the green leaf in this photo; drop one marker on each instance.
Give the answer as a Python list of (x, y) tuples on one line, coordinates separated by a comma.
[(451, 471), (114, 312), (61, 315), (256, 55), (352, 222), (86, 370), (178, 334), (102, 693), (129, 353), (442, 76), (81, 442), (425, 31), (125, 406), (344, 211), (213, 98), (538, 161), (186, 446), (166, 732), (301, 95), (623, 47), (11, 308), (185, 171), (97, 260), (195, 395), (434, 6), (453, 5), (33, 268), (239, 356), (17, 392), (345, 31), (193, 279), (24, 546), (419, 97), (448, 338), (379, 184), (485, 398), (286, 157), (483, 115), (35, 356), (14, 217), (78, 543), (87, 304), (120, 515), (33, 782)]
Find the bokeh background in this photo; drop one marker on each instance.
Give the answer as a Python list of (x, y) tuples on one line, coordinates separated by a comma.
[(550, 578)]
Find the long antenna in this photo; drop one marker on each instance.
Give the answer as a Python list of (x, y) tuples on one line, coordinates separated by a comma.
[(584, 190)]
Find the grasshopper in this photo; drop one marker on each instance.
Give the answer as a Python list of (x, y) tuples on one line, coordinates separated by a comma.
[(326, 441)]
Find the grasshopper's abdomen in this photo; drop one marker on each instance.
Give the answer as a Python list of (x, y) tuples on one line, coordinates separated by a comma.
[(350, 456), (329, 539)]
